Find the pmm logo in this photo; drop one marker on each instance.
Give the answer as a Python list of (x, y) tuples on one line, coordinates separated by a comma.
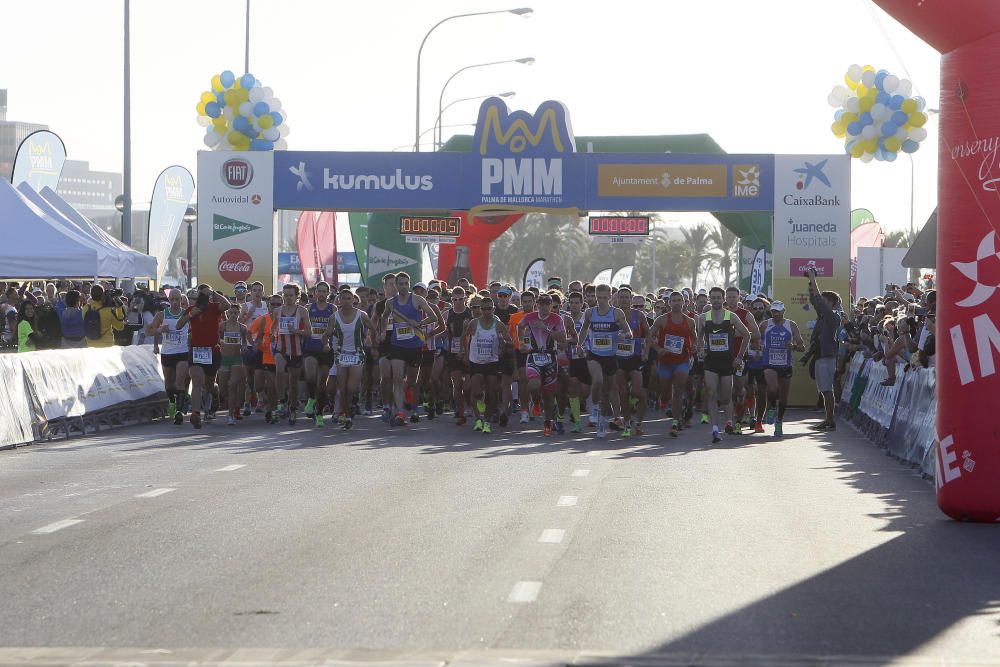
[(237, 173)]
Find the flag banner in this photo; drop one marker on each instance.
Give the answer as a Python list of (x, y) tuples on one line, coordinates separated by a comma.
[(172, 193), (534, 275), (757, 271), (622, 277), (604, 277), (39, 161)]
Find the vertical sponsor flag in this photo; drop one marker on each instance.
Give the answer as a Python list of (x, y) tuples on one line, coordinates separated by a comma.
[(326, 245), (39, 161), (388, 251), (534, 275), (305, 241), (604, 277), (757, 272), (623, 276), (359, 236), (171, 195)]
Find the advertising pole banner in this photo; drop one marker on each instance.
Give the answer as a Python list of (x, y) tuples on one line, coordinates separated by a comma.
[(812, 229), (388, 251), (171, 195), (534, 275), (604, 277), (326, 245), (39, 161), (305, 241), (359, 236), (623, 276), (236, 230), (757, 271)]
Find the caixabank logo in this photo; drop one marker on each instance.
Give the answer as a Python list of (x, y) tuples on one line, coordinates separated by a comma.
[(522, 153)]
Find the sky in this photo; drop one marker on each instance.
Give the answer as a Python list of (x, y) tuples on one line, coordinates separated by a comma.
[(753, 75)]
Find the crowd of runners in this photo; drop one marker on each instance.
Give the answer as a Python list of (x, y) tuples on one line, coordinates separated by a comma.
[(587, 357)]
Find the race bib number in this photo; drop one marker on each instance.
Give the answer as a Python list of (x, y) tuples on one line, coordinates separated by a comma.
[(777, 357), (541, 359), (349, 359), (602, 343), (673, 344), (625, 348), (231, 337), (202, 356), (456, 346), (484, 348), (404, 332), (175, 337), (286, 325), (718, 342), (317, 332)]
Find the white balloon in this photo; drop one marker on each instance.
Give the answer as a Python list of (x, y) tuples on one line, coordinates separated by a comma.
[(229, 113), (852, 104), (880, 111), (212, 138), (918, 134), (890, 83), (246, 109), (283, 130), (901, 134), (867, 157), (280, 145), (904, 88), (869, 132), (204, 121), (833, 100), (272, 134), (838, 96), (256, 95), (274, 103), (854, 72), (868, 78), (267, 92)]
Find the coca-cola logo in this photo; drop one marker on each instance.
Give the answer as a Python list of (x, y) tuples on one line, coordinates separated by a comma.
[(235, 265), (237, 173)]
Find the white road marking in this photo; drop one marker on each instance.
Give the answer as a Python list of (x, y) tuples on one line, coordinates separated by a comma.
[(581, 472), (552, 535), (566, 501), (594, 453), (525, 591), (58, 525), (231, 468), (154, 493)]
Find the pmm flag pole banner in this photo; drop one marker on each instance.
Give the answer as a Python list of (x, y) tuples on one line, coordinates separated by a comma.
[(757, 271), (603, 277), (39, 161), (236, 230), (171, 195), (968, 445), (534, 275), (623, 276)]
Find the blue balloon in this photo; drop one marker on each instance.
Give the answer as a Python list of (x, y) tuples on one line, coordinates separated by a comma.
[(261, 145), (212, 110), (221, 99), (241, 124), (910, 146), (261, 109), (896, 102), (837, 114), (854, 128), (278, 118), (247, 81), (889, 129), (880, 78), (890, 156), (883, 98), (879, 154), (227, 78), (900, 118), (866, 118)]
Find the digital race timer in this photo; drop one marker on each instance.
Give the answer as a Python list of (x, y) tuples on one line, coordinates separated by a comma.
[(430, 226), (619, 225)]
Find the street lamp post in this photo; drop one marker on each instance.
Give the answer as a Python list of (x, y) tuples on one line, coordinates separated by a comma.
[(522, 61), (127, 166), (190, 216), (520, 11), (438, 127)]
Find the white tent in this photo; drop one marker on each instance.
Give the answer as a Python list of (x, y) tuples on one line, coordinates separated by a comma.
[(140, 265), (35, 247)]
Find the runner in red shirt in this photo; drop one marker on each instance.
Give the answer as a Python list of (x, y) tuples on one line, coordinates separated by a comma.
[(740, 380), (672, 337), (205, 316)]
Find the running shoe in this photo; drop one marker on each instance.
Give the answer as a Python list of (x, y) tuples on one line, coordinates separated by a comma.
[(770, 415), (524, 417), (602, 428), (231, 421), (478, 425), (637, 429), (515, 406), (171, 409), (246, 409), (595, 418), (737, 429), (547, 428), (481, 405), (616, 424), (319, 421), (291, 418), (460, 421), (704, 417), (310, 408), (560, 429), (487, 428), (627, 432), (502, 420), (386, 415), (536, 410), (268, 417), (414, 418), (729, 428), (196, 419), (716, 436), (348, 424), (823, 426), (675, 428), (578, 426), (178, 418), (398, 420), (758, 427), (778, 432)]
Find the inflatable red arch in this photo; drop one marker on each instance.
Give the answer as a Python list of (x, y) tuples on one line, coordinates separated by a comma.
[(967, 34)]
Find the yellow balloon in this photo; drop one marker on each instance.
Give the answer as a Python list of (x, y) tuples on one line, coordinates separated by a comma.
[(207, 97), (862, 90), (867, 68), (242, 95), (865, 103), (220, 123), (266, 122), (848, 118), (233, 137), (909, 105), (857, 150), (237, 83), (918, 118), (837, 128), (230, 97), (851, 83), (201, 108), (870, 145), (217, 84), (893, 144)]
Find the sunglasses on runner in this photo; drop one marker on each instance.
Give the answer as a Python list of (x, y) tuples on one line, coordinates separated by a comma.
[(486, 307)]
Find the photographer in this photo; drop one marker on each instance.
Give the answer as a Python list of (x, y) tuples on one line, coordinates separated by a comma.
[(824, 344), (102, 317)]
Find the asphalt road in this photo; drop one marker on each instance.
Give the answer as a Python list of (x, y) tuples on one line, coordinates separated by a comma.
[(431, 544)]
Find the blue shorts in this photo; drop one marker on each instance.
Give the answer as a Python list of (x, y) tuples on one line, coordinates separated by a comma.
[(666, 371)]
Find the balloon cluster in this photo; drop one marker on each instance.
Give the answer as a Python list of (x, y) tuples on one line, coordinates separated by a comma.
[(876, 117), (241, 115)]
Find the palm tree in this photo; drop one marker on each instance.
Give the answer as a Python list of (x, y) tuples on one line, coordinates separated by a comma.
[(727, 248), (696, 245), (561, 239), (898, 239)]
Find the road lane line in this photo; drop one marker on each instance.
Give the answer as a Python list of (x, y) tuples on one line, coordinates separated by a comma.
[(566, 501), (58, 525), (525, 591), (231, 468), (594, 453), (154, 493), (552, 536), (580, 472)]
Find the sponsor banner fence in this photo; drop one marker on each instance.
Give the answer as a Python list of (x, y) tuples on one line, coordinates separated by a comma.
[(899, 418)]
